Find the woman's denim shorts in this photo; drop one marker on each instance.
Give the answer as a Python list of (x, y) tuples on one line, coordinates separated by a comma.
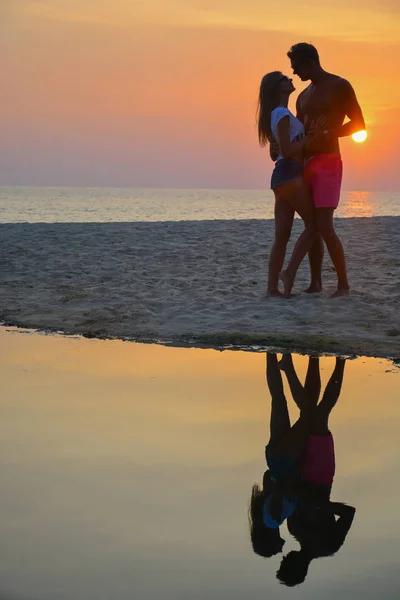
[(286, 170)]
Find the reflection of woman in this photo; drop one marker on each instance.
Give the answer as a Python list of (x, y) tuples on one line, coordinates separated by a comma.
[(314, 522), (276, 500), (276, 124)]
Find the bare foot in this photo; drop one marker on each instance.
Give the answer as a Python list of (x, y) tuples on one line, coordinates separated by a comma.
[(314, 288), (340, 292), (274, 294), (287, 283)]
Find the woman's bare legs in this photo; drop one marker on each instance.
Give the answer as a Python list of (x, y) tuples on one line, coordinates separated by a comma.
[(280, 420), (285, 441), (319, 424), (284, 215), (312, 387), (298, 197), (296, 388)]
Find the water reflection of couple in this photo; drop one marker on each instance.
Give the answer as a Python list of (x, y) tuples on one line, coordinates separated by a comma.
[(301, 466), (308, 170)]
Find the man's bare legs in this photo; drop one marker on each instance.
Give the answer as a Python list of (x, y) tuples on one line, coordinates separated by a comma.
[(315, 258), (331, 395), (312, 384), (311, 390), (327, 234), (326, 228)]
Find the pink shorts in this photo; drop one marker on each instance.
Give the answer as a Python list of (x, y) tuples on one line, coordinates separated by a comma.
[(318, 464), (323, 176)]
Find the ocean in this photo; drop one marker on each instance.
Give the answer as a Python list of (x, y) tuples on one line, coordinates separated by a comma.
[(105, 205)]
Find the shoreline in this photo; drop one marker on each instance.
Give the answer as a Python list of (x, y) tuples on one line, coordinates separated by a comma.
[(199, 283), (258, 346)]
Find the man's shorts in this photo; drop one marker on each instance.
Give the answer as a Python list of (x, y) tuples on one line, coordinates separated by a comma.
[(318, 464), (323, 177)]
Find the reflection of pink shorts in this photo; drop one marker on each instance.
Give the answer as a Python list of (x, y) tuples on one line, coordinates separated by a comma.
[(323, 176), (318, 464)]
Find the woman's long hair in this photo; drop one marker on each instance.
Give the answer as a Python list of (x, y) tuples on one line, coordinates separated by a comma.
[(256, 524), (263, 539), (269, 98)]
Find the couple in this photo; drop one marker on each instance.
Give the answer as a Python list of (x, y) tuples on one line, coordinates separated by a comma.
[(301, 467), (308, 169)]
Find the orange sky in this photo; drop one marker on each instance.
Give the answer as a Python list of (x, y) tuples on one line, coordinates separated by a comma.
[(162, 93)]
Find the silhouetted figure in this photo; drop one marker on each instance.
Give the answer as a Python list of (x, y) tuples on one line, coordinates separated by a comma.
[(313, 522), (333, 97), (277, 499)]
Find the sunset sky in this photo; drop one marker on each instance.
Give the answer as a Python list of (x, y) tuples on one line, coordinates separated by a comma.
[(163, 93)]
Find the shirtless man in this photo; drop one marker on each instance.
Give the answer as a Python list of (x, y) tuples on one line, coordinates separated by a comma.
[(332, 97)]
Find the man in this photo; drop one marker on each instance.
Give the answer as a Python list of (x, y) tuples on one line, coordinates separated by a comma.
[(314, 523), (319, 535), (331, 97)]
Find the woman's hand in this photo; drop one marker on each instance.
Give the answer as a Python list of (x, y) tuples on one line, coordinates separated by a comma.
[(274, 150)]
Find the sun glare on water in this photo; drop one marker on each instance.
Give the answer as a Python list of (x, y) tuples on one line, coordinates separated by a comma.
[(359, 136)]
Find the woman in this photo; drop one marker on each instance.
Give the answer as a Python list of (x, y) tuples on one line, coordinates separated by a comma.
[(276, 124), (276, 501)]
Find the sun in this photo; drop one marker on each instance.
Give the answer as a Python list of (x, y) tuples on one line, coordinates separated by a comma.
[(360, 136)]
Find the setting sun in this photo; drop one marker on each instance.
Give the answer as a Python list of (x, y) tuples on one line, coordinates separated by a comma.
[(359, 136)]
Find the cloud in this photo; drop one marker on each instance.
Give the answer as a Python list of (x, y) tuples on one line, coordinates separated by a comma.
[(361, 20), (180, 70)]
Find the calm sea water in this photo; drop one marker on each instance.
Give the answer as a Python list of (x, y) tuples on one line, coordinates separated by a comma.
[(72, 204), (127, 471)]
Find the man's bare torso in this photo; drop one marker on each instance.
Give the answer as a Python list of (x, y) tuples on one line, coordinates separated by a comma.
[(326, 98)]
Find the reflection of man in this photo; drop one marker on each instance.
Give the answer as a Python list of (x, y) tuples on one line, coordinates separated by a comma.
[(332, 97), (318, 524), (323, 537)]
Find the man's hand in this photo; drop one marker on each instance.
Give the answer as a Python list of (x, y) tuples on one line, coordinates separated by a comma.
[(275, 508), (342, 510), (274, 150)]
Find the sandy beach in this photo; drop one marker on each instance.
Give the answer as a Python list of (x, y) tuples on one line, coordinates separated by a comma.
[(200, 283)]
